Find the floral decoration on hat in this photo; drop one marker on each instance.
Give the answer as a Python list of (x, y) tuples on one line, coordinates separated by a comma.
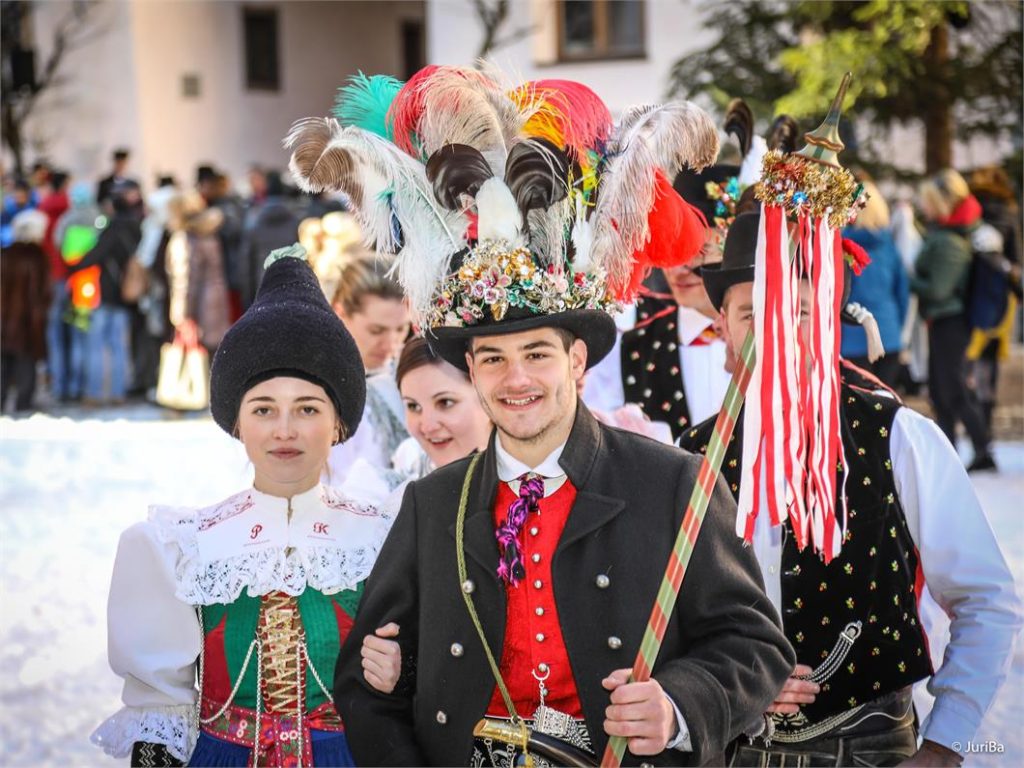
[(497, 277)]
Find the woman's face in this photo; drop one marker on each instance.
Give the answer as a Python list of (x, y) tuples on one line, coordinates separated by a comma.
[(443, 412), (379, 328), (287, 426)]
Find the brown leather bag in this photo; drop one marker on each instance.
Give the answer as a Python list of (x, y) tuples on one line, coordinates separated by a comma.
[(134, 281)]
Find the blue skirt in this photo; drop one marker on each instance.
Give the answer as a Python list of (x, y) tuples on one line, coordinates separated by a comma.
[(329, 749)]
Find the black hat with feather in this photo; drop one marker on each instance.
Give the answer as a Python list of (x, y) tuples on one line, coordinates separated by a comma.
[(509, 207)]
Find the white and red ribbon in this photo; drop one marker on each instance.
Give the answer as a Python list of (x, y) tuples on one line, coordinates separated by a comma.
[(791, 431)]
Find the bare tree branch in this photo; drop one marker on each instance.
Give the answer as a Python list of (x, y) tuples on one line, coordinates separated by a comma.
[(492, 15), (76, 29)]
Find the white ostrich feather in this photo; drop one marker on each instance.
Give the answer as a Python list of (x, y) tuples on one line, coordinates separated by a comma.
[(582, 238), (382, 182), (547, 232), (662, 138), (465, 107), (678, 133), (500, 218)]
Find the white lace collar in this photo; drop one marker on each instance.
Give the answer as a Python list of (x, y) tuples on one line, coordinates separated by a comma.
[(248, 541)]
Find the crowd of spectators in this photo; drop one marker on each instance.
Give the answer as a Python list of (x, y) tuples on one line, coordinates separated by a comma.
[(98, 276)]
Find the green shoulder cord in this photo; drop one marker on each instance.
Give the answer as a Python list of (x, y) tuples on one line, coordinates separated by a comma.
[(466, 588)]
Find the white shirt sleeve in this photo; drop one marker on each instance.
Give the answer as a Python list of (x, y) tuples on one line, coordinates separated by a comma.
[(681, 741), (153, 643), (966, 574)]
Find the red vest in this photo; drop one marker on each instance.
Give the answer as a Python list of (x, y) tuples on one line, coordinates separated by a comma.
[(533, 635)]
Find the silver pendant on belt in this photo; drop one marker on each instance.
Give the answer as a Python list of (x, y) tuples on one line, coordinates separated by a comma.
[(545, 719)]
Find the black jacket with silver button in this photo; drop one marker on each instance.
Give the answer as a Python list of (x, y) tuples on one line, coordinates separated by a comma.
[(723, 659)]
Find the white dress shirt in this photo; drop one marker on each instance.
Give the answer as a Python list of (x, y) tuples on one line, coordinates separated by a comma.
[(510, 469), (703, 366), (963, 566), (603, 389)]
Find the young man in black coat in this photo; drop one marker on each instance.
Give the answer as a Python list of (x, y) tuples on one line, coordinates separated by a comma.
[(570, 608), (522, 578)]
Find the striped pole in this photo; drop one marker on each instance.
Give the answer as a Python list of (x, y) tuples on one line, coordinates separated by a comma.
[(687, 536)]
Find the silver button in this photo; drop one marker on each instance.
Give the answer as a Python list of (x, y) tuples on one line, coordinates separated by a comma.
[(534, 530), (614, 643), (538, 584), (535, 557), (456, 650), (542, 667), (468, 586), (602, 581), (539, 611), (540, 637), (442, 718)]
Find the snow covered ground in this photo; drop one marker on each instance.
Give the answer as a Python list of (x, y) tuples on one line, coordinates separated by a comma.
[(69, 486)]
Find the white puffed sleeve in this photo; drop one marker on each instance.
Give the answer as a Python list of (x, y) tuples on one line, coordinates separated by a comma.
[(153, 642)]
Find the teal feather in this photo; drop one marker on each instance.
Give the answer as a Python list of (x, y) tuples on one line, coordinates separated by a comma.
[(365, 101)]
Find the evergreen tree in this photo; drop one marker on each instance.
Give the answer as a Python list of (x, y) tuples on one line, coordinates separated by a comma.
[(952, 67)]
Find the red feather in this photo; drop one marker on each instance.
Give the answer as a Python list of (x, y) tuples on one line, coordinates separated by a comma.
[(407, 108), (572, 115), (858, 257), (677, 232)]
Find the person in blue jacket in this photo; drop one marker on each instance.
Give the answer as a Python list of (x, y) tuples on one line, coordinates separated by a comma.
[(883, 289)]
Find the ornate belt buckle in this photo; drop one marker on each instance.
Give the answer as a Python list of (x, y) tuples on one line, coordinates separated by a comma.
[(552, 722)]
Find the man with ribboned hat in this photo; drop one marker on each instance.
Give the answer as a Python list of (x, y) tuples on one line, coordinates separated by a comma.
[(907, 517)]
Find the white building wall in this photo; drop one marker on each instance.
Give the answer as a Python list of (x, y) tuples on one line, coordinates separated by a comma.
[(125, 89), (320, 45), (672, 29), (92, 107)]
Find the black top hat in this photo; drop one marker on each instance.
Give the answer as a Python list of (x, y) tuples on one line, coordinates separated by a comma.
[(737, 265), (692, 187), (595, 327), (290, 330)]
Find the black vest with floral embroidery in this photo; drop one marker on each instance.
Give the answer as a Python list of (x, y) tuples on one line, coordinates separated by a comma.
[(873, 580)]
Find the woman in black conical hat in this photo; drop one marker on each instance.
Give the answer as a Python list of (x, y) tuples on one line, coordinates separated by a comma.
[(250, 599)]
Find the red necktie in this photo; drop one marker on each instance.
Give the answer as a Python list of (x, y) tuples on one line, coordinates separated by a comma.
[(704, 338)]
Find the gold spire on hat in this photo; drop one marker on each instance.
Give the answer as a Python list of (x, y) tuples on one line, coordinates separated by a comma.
[(823, 144)]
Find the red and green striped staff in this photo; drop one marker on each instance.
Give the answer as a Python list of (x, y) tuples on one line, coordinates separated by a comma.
[(682, 550)]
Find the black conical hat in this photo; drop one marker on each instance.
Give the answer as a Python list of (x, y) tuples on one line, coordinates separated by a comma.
[(290, 330)]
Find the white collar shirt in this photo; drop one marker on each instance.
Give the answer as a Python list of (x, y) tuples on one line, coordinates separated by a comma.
[(510, 469), (703, 366)]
